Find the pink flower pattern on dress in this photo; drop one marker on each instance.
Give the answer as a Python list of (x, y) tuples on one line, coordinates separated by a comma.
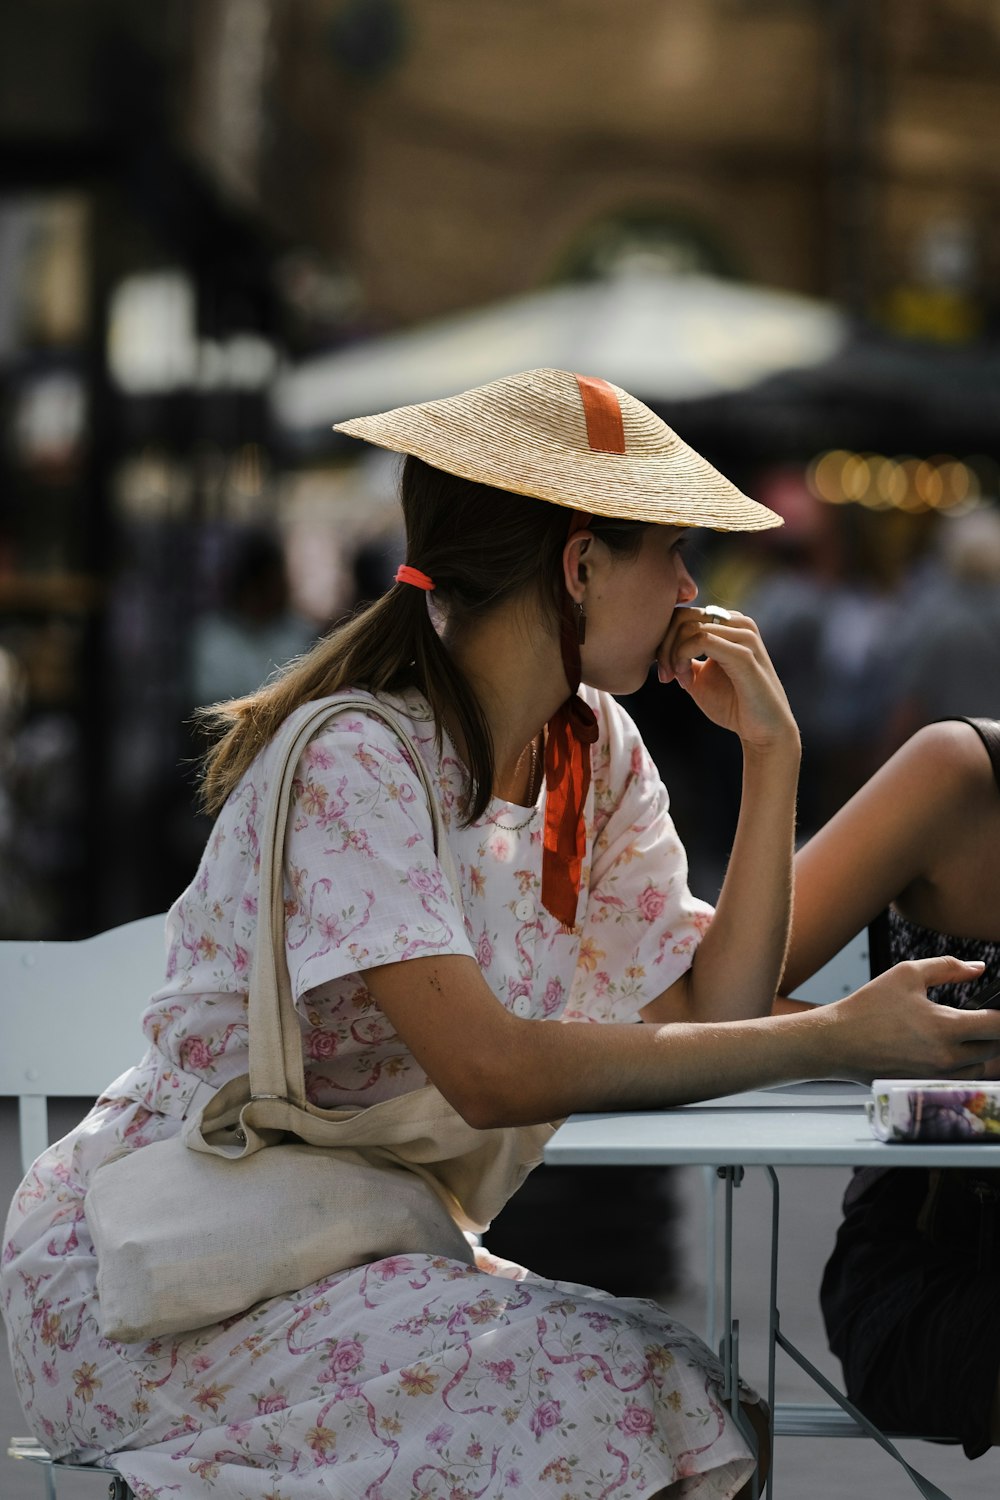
[(651, 902), (415, 1375)]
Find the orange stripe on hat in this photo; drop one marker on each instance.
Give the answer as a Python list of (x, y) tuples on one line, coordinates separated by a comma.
[(605, 430)]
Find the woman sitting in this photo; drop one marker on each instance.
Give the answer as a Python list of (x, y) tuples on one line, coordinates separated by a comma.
[(546, 518)]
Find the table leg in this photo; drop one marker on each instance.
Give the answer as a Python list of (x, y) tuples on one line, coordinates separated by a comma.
[(729, 1351), (772, 1321), (732, 1177), (710, 1181)]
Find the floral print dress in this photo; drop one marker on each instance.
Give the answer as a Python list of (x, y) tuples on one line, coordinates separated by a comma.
[(415, 1376)]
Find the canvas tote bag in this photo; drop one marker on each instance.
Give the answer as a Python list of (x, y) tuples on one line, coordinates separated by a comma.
[(262, 1192)]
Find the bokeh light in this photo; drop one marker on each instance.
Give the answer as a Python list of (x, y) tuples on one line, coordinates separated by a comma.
[(905, 482)]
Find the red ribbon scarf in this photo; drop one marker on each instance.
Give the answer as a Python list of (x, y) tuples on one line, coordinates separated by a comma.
[(571, 732), (568, 737)]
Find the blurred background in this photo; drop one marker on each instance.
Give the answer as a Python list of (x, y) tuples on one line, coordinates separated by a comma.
[(226, 224)]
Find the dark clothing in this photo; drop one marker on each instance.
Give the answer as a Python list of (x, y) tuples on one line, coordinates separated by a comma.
[(911, 1301), (911, 1296)]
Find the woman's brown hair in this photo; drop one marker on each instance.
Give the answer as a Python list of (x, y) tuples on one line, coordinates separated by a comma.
[(481, 546)]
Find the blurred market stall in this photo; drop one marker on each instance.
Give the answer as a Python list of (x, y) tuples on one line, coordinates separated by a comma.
[(663, 337)]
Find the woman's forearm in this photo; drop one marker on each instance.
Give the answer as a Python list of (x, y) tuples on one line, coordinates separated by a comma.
[(545, 1070), (726, 670), (739, 961), (500, 1069), (578, 1067)]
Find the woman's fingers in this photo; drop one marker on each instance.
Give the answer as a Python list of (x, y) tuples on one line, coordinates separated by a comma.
[(943, 970), (736, 686), (699, 633), (899, 1033)]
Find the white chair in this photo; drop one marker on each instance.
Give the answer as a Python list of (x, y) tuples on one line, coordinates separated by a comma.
[(71, 1014), (71, 1023)]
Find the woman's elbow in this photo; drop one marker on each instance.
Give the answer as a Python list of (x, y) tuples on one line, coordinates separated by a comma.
[(483, 1112), (486, 1105), (493, 1092)]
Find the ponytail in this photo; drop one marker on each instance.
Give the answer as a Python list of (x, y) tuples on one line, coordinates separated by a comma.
[(388, 646), (373, 649)]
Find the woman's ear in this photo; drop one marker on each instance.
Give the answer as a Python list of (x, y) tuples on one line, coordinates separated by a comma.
[(576, 568)]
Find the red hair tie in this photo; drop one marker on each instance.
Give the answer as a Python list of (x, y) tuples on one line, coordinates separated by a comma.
[(406, 574)]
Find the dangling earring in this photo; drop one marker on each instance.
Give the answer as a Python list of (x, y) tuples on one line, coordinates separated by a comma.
[(581, 623)]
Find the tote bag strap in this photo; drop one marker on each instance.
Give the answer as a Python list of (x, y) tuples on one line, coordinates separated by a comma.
[(277, 1069)]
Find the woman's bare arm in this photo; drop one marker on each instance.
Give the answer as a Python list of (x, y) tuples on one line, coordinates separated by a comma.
[(924, 832), (497, 1069), (739, 961)]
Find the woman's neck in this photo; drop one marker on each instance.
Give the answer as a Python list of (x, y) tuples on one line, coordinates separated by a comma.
[(512, 662)]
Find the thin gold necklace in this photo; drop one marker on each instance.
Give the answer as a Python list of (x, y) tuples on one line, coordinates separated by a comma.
[(533, 790)]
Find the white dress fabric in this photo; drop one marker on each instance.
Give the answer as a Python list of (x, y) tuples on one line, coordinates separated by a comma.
[(414, 1376)]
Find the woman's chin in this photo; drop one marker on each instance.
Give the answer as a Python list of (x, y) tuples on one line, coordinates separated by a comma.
[(620, 684)]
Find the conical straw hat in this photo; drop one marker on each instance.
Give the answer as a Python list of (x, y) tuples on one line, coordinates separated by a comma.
[(573, 440)]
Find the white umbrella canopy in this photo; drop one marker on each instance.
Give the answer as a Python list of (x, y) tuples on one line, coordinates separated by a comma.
[(663, 338)]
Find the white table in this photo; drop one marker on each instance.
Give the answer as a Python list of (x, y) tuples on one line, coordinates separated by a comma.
[(803, 1125)]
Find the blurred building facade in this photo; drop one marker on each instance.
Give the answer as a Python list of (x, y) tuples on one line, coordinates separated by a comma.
[(829, 146), (193, 191)]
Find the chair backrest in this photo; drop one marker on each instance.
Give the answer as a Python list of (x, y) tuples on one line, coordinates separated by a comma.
[(69, 1017), (846, 972)]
